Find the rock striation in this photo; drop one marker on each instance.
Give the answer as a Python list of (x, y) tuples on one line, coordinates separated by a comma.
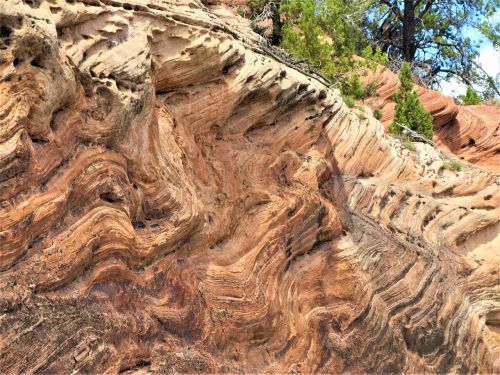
[(471, 133), (173, 199)]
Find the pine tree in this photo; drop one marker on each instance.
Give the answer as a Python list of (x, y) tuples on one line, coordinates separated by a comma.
[(437, 35), (409, 110), (303, 36), (471, 97), (357, 89), (323, 32)]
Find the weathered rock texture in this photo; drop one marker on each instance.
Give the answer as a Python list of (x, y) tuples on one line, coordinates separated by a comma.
[(469, 132), (173, 199)]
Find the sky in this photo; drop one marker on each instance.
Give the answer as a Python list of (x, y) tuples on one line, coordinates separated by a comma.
[(490, 61), (489, 58)]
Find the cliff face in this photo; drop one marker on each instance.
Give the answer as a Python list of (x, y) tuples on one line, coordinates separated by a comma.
[(471, 133), (174, 199)]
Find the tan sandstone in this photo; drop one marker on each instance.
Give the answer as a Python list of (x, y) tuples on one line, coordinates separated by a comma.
[(173, 199)]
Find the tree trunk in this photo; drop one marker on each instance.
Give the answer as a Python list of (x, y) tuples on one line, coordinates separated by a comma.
[(277, 35), (384, 35), (409, 23)]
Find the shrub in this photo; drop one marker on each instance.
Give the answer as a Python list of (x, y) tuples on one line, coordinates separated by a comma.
[(302, 36), (378, 113), (361, 112), (456, 165), (241, 12), (349, 100), (353, 87), (453, 165), (409, 145), (371, 89), (316, 31), (357, 89), (374, 57), (471, 97), (409, 110)]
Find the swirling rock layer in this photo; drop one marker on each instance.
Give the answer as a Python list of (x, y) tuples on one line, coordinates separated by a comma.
[(175, 200), (469, 132)]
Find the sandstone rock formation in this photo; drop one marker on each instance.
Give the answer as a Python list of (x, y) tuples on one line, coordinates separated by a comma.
[(175, 200), (469, 132)]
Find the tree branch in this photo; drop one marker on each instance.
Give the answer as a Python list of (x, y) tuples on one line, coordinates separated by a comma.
[(426, 9), (454, 72), (394, 8), (491, 81)]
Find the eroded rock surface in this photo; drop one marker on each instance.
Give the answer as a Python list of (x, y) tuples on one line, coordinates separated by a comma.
[(174, 199), (470, 132)]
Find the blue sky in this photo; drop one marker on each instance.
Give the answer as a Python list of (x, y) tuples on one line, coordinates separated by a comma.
[(489, 58)]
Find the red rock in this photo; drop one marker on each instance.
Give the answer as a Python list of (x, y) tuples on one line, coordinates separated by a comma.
[(176, 200), (468, 132)]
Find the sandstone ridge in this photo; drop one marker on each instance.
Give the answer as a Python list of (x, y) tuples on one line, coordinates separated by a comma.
[(173, 199), (471, 133)]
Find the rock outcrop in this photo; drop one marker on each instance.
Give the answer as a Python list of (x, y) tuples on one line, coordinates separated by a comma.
[(471, 133), (173, 199)]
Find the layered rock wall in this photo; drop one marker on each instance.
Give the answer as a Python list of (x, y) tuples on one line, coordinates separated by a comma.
[(174, 199), (471, 133)]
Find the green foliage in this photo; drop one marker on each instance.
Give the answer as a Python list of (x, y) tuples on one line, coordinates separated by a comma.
[(431, 33), (361, 113), (305, 30), (304, 40), (436, 35), (412, 114), (471, 97), (378, 113), (302, 35), (353, 87), (371, 89), (357, 89), (241, 12), (349, 101), (405, 79), (323, 33), (337, 18), (409, 110), (454, 165), (374, 57), (408, 144)]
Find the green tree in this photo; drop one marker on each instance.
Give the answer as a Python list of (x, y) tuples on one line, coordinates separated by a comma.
[(471, 97), (303, 35), (354, 87), (433, 36), (409, 110), (326, 33), (342, 21)]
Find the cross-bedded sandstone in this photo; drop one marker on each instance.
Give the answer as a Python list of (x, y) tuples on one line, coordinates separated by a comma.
[(174, 199)]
